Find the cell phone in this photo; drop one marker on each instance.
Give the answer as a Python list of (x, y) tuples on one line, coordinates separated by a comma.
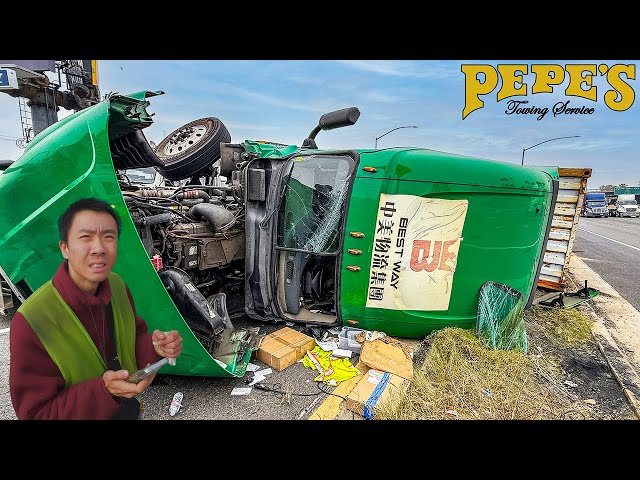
[(146, 371)]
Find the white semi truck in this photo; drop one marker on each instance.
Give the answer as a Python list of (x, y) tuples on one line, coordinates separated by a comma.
[(627, 206)]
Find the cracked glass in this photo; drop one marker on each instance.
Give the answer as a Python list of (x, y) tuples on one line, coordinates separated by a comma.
[(313, 202)]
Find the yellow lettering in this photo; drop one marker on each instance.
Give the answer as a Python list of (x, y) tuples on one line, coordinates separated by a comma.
[(474, 87), (510, 75), (576, 79), (627, 95), (546, 77)]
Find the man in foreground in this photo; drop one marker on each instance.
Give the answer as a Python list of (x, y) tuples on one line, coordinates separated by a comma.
[(76, 340)]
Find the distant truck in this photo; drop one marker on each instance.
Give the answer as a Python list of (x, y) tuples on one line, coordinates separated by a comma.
[(626, 206), (594, 205)]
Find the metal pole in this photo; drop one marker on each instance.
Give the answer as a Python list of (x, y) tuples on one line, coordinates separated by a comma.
[(393, 130), (551, 139), (43, 111)]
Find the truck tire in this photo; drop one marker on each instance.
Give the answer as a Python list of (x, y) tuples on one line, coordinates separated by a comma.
[(189, 150)]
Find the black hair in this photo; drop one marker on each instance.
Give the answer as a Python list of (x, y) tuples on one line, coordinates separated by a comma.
[(93, 204)]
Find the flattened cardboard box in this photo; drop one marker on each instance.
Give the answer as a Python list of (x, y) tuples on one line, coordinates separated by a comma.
[(389, 355), (373, 389), (284, 347)]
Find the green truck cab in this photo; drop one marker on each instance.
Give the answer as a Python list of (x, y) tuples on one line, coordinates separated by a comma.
[(398, 240)]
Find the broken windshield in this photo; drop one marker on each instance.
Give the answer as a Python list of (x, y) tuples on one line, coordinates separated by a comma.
[(314, 195)]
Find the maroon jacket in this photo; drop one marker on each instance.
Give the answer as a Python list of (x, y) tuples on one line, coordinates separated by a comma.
[(38, 388)]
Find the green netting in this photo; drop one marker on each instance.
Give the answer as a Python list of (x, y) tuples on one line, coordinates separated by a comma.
[(500, 323)]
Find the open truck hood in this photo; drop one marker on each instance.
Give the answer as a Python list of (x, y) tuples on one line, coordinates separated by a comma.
[(70, 160)]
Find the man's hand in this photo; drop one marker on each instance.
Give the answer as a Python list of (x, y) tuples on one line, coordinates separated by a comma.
[(117, 385), (167, 344)]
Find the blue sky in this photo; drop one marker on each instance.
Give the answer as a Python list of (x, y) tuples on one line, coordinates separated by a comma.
[(282, 101)]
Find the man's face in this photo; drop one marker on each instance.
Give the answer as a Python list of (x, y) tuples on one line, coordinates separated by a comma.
[(91, 248)]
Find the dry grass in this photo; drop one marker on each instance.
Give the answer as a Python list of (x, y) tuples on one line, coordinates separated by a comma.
[(563, 328), (462, 379)]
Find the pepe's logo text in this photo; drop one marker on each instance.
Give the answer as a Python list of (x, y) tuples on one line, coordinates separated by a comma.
[(483, 79), (560, 108)]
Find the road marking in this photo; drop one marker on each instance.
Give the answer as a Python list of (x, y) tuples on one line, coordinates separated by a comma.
[(607, 238), (4, 330)]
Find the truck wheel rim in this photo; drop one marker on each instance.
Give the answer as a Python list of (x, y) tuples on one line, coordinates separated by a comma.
[(183, 139)]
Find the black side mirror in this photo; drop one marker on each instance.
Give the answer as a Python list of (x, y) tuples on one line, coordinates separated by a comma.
[(331, 120)]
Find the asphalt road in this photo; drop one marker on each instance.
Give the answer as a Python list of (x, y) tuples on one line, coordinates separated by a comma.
[(611, 247), (295, 394)]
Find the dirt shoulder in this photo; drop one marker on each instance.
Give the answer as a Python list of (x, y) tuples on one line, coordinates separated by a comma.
[(616, 328)]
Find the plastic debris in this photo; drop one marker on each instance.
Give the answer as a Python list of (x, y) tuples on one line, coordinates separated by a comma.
[(176, 403), (252, 367), (241, 391), (260, 376), (488, 393), (341, 353)]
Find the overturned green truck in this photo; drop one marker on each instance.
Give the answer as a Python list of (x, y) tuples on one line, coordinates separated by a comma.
[(398, 240)]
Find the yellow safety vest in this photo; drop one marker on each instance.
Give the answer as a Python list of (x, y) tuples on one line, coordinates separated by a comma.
[(67, 341)]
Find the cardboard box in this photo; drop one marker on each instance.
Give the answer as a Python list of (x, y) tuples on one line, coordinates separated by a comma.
[(389, 355), (284, 347), (373, 389)]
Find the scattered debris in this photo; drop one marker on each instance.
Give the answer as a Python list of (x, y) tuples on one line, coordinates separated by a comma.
[(331, 370), (305, 410), (284, 347), (241, 391), (388, 355), (347, 339), (567, 300), (373, 390), (176, 403), (488, 393), (328, 345), (260, 376), (341, 353)]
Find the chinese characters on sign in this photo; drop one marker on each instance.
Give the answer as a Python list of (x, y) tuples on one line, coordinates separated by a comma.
[(415, 252)]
